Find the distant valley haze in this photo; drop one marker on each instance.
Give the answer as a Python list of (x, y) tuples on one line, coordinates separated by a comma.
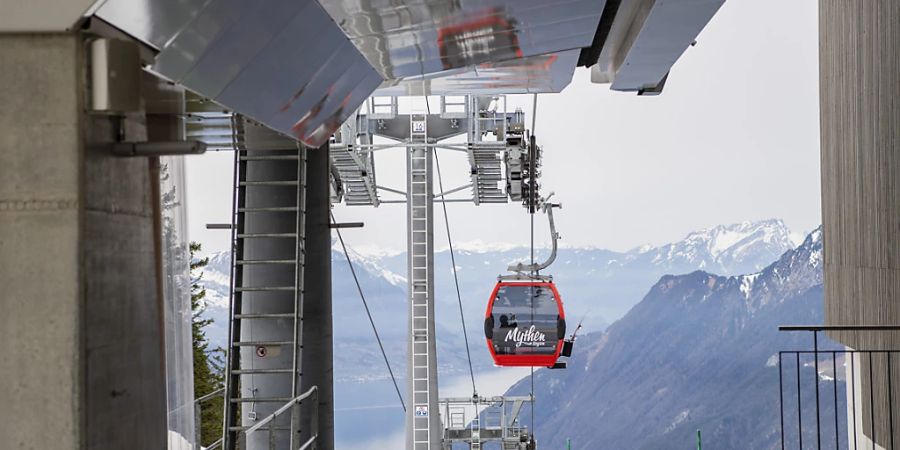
[(598, 285)]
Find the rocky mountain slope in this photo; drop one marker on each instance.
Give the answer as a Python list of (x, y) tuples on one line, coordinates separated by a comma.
[(698, 352)]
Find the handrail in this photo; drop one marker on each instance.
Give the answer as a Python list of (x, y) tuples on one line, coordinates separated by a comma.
[(217, 393), (281, 410), (268, 420), (839, 328), (198, 410)]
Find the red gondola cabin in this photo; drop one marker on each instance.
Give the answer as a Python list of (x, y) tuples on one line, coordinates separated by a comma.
[(525, 324)]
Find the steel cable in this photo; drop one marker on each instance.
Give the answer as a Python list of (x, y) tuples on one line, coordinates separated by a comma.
[(534, 206), (455, 276), (369, 313), (462, 316)]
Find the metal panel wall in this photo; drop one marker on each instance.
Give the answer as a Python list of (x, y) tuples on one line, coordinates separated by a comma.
[(285, 64), (411, 37), (647, 38), (534, 74)]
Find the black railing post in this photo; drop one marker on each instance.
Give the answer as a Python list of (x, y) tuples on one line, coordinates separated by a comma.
[(837, 440), (781, 397), (816, 366), (799, 406), (890, 400), (850, 398), (871, 399), (853, 393)]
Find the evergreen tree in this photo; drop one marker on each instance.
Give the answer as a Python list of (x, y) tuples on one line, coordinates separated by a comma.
[(208, 364)]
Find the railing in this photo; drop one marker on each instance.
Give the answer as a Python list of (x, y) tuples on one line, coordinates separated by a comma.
[(294, 407), (269, 421), (844, 410), (198, 419)]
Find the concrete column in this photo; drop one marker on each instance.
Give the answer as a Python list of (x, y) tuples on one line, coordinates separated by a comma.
[(859, 54), (41, 306), (81, 364), (316, 363)]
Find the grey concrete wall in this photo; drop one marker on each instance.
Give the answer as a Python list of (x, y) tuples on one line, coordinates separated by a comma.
[(42, 357), (860, 130), (123, 312), (81, 363)]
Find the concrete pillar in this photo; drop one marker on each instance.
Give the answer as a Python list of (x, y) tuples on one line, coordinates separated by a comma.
[(859, 54), (42, 359), (316, 364), (82, 363)]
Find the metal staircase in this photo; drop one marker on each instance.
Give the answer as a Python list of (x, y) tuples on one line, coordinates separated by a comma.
[(355, 171), (487, 172), (264, 367), (353, 166)]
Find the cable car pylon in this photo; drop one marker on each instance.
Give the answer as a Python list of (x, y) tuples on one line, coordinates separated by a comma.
[(420, 135)]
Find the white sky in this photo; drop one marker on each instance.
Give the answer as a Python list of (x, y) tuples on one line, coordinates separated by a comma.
[(733, 137)]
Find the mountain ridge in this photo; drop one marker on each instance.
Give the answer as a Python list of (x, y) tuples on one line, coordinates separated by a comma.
[(706, 344), (596, 284)]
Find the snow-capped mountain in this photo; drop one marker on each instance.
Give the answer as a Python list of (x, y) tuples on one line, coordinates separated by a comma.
[(597, 285), (602, 285), (695, 353), (727, 249)]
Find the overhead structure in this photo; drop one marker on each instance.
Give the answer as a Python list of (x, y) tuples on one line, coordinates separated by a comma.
[(303, 67), (638, 41)]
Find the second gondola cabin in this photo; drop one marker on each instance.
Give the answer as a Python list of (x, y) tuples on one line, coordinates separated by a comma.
[(525, 324)]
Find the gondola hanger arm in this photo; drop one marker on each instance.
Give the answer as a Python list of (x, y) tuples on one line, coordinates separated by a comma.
[(521, 268)]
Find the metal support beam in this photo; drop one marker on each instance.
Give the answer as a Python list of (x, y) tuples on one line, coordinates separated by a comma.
[(422, 417)]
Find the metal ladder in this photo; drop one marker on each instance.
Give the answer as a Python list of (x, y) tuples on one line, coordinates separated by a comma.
[(419, 192), (475, 427), (245, 297)]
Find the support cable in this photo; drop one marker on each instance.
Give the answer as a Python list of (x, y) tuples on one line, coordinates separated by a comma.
[(455, 277), (462, 316), (368, 313), (531, 210)]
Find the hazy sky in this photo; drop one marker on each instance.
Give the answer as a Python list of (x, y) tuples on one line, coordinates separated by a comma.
[(734, 137)]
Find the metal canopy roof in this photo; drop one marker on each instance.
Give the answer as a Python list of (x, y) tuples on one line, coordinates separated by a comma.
[(303, 67)]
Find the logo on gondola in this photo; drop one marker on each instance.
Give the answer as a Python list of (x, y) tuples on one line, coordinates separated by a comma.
[(529, 337)]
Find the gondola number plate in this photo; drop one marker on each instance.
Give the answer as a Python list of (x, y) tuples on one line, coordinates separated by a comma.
[(421, 411), (418, 126)]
